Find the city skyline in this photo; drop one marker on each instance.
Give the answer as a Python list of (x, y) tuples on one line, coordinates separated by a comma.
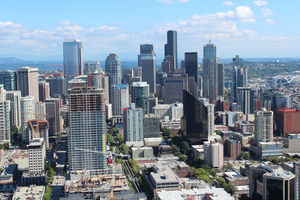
[(229, 24)]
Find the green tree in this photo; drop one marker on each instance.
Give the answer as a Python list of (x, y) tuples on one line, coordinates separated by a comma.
[(48, 193), (125, 149), (185, 147), (120, 138), (245, 155), (1, 170), (110, 138)]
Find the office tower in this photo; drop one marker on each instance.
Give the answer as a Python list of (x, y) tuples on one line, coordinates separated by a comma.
[(4, 117), (73, 62), (113, 70), (263, 126), (147, 62), (245, 100), (239, 79), (192, 86), (237, 61), (27, 113), (8, 79), (44, 91), (133, 123), (140, 95), (77, 83), (191, 64), (166, 65), (37, 155), (120, 98), (210, 71), (220, 79), (53, 115), (100, 81), (151, 126), (87, 139), (232, 148), (37, 129), (287, 121), (40, 111), (172, 87), (15, 107), (200, 86), (57, 85), (127, 75), (137, 72), (171, 49), (198, 118), (91, 67), (28, 82), (108, 111), (214, 154)]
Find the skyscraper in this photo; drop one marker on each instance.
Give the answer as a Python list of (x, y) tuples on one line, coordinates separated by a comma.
[(140, 95), (191, 64), (8, 79), (4, 117), (27, 113), (210, 71), (15, 107), (100, 81), (147, 62), (44, 90), (28, 82), (172, 87), (57, 85), (92, 67), (220, 68), (120, 98), (245, 100), (37, 155), (263, 126), (133, 123), (171, 49), (113, 70), (73, 63), (87, 140), (239, 79), (53, 115)]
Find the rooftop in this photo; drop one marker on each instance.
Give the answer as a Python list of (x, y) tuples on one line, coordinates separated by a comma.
[(140, 84), (31, 192)]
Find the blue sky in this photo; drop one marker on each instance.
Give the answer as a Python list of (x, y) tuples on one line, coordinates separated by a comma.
[(252, 28)]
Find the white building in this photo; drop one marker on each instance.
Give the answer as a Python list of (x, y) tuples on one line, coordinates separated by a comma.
[(173, 111), (28, 82), (214, 154), (15, 107), (27, 113), (37, 155), (31, 192), (4, 117), (263, 126), (119, 98), (133, 124)]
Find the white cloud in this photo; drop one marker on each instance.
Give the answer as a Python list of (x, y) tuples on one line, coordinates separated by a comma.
[(183, 1), (165, 1), (266, 12), (228, 3), (260, 3), (270, 21), (245, 14)]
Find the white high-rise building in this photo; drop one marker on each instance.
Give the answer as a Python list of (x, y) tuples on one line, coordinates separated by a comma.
[(214, 154), (15, 107), (73, 62), (4, 117), (113, 70), (37, 155), (120, 98), (27, 113), (133, 124), (28, 82), (263, 126)]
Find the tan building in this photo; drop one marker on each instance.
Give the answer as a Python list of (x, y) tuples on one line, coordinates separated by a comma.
[(214, 154), (28, 82), (37, 155)]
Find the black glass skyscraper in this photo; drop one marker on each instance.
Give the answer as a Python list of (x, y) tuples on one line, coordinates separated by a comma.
[(171, 48)]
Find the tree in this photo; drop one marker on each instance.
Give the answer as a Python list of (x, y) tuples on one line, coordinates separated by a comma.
[(48, 193), (110, 138), (125, 149), (245, 155), (1, 170), (185, 147), (119, 137)]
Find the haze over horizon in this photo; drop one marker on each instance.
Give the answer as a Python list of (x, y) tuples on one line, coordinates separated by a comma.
[(253, 29)]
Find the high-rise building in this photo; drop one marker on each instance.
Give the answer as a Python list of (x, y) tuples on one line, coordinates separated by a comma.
[(147, 62), (214, 154), (220, 68), (40, 111), (28, 82), (73, 62), (113, 70), (167, 63), (245, 100), (57, 85), (44, 91), (120, 98), (4, 117), (210, 71), (263, 126), (91, 67), (100, 81), (87, 139), (140, 95), (287, 121), (15, 107), (191, 64), (53, 115), (151, 126), (27, 113), (198, 118), (38, 129), (232, 148), (37, 155), (239, 79), (133, 123), (172, 87), (8, 79), (171, 49)]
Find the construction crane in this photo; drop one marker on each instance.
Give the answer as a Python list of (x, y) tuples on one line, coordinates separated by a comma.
[(36, 133)]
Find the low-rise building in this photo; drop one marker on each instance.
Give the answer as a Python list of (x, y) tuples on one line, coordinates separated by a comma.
[(142, 153), (31, 192), (264, 149)]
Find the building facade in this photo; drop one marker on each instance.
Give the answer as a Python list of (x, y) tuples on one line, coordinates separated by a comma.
[(120, 98), (140, 94), (28, 82), (133, 124)]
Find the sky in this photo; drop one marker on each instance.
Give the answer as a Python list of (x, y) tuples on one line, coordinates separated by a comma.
[(35, 30)]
